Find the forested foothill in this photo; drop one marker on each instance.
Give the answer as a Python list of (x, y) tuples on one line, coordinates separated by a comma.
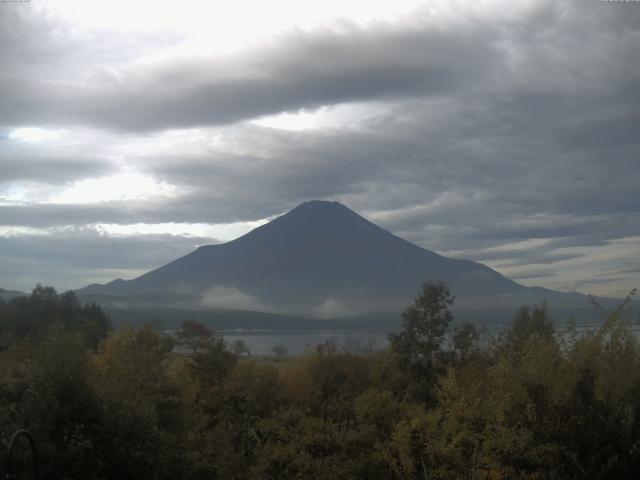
[(443, 401)]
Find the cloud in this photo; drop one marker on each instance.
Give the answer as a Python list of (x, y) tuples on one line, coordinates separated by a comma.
[(534, 275), (45, 162), (229, 298), (486, 134), (618, 271), (336, 308), (72, 258), (299, 70)]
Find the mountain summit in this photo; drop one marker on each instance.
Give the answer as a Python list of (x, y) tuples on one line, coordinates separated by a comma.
[(320, 259)]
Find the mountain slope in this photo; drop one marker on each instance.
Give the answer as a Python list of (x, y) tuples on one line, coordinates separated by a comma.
[(320, 259)]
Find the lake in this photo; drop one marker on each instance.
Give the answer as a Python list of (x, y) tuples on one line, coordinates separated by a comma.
[(297, 342), (261, 342)]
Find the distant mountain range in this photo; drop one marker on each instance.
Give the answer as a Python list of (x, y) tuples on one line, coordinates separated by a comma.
[(321, 260), (9, 294)]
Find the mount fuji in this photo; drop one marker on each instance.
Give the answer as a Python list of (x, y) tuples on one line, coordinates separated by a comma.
[(320, 260)]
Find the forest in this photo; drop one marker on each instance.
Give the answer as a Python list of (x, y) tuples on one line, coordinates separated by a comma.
[(443, 401)]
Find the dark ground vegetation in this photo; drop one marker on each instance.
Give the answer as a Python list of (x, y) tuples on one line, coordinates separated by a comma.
[(441, 402)]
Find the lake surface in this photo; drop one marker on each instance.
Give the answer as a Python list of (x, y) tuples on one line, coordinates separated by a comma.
[(297, 342)]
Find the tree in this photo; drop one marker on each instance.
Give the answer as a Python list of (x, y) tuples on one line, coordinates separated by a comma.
[(279, 351), (416, 346), (239, 347), (465, 341), (212, 362), (529, 322), (140, 436), (32, 317), (46, 389), (425, 324), (194, 336)]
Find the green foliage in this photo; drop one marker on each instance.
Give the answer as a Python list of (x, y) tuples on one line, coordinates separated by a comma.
[(425, 324), (279, 351), (465, 341), (251, 393), (32, 317), (531, 404), (47, 390), (418, 345), (211, 365), (140, 405), (194, 336), (529, 322), (295, 445), (239, 347)]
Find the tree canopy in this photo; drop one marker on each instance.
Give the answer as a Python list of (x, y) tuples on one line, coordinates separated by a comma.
[(35, 315), (443, 401)]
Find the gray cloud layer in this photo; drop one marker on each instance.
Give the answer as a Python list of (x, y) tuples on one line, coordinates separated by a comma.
[(64, 257), (493, 133), (302, 70)]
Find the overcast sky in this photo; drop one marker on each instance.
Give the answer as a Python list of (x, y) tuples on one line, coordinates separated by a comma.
[(503, 132)]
